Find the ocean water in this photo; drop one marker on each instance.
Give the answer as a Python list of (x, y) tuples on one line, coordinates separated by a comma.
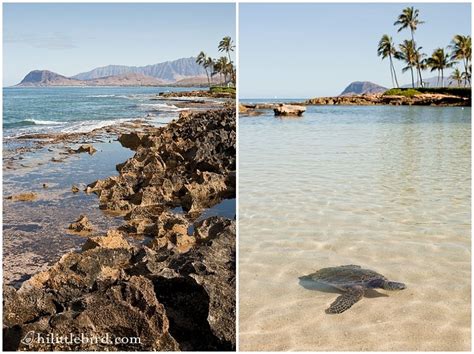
[(387, 188), (79, 109)]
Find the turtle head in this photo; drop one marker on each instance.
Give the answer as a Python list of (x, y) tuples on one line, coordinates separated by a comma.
[(376, 283), (393, 285)]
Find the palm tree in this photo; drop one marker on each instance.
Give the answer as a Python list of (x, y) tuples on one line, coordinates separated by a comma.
[(209, 64), (387, 49), (227, 45), (461, 50), (457, 76), (467, 75), (409, 19), (223, 65), (217, 69), (202, 59), (407, 53), (439, 60)]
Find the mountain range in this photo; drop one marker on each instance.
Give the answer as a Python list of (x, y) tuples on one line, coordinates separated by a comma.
[(180, 72), (170, 71), (433, 82)]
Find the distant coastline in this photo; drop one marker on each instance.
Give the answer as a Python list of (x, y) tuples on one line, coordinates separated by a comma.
[(184, 72), (422, 99)]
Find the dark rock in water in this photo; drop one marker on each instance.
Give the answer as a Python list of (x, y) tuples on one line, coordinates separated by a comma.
[(23, 197), (289, 110), (75, 189), (81, 225)]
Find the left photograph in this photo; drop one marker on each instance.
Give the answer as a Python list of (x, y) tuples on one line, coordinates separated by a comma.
[(119, 177)]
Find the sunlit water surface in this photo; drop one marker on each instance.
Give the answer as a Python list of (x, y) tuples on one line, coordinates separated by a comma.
[(387, 188)]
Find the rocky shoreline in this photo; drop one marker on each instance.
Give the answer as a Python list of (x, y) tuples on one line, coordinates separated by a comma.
[(436, 100), (198, 93), (176, 289), (425, 99)]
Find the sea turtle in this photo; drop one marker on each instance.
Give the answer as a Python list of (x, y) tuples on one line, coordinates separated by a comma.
[(353, 281)]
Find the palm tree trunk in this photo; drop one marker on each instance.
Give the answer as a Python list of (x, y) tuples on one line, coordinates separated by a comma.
[(421, 78), (412, 78), (208, 80), (418, 70), (466, 65), (391, 75), (393, 69), (442, 78), (232, 68)]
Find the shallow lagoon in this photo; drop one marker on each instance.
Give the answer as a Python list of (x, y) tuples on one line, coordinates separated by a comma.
[(387, 188)]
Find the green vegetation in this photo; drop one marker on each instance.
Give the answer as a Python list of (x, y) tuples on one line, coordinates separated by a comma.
[(402, 92), (455, 91), (461, 47), (410, 92), (222, 66), (439, 60), (457, 76), (458, 51), (408, 54), (227, 45), (223, 89)]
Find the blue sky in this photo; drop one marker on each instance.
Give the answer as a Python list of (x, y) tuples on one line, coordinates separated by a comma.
[(307, 50), (72, 38)]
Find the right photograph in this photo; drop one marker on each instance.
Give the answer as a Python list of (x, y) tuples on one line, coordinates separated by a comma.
[(354, 177)]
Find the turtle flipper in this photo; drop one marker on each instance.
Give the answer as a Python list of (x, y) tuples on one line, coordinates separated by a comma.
[(346, 300)]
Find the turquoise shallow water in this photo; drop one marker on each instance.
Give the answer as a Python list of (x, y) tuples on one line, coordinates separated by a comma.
[(388, 188), (72, 109)]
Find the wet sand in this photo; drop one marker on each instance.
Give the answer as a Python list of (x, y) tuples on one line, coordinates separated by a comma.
[(385, 188)]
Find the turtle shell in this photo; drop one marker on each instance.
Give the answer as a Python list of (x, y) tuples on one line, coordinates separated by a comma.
[(346, 276)]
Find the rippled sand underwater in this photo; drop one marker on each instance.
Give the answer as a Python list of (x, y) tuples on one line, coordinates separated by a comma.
[(387, 188)]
